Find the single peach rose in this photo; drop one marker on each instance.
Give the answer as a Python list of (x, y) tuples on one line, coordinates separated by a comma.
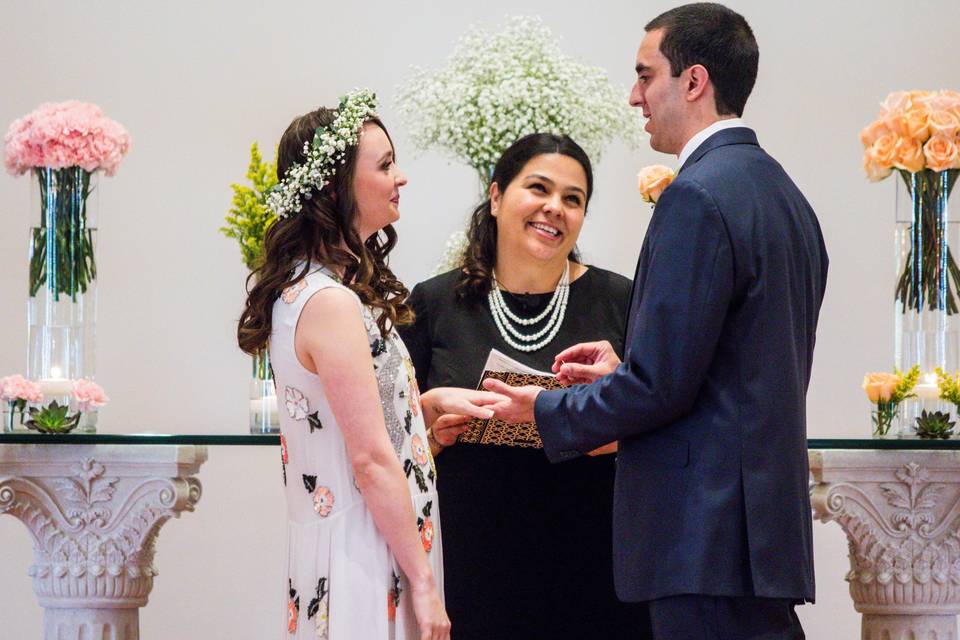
[(884, 150), (943, 101), (917, 123), (652, 180), (910, 155), (879, 386), (898, 101), (875, 172), (945, 123), (872, 132), (941, 153)]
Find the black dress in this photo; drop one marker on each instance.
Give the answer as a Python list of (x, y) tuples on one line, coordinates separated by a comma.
[(526, 544)]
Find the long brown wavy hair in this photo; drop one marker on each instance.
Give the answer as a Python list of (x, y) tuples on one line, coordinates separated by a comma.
[(480, 256), (321, 233)]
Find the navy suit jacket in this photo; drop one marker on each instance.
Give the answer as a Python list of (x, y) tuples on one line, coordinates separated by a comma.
[(709, 404)]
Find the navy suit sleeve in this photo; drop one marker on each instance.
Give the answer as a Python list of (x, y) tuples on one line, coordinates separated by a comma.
[(685, 292)]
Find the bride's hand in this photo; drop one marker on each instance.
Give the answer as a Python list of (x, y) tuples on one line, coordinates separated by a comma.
[(464, 402), (445, 430)]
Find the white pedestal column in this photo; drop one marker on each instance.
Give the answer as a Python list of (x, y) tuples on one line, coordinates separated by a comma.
[(94, 512), (901, 513)]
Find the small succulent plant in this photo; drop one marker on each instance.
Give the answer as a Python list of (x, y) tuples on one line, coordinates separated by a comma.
[(53, 418), (935, 424)]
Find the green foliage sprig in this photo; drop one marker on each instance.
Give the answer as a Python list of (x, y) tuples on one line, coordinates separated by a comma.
[(249, 217)]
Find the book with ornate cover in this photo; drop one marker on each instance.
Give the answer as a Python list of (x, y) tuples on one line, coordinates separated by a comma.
[(495, 431)]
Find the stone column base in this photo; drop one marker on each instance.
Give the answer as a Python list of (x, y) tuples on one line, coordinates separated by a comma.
[(82, 624)]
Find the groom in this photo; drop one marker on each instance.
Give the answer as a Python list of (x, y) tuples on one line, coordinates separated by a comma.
[(712, 519)]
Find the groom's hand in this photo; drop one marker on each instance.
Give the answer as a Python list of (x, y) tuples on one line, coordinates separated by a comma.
[(518, 407), (585, 362)]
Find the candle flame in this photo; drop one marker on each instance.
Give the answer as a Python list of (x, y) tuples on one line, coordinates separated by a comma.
[(55, 372), (930, 378)]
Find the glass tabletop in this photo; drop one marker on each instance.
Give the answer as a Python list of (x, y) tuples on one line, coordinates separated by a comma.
[(260, 440)]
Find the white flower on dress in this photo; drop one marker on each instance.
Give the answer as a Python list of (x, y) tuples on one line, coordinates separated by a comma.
[(323, 618), (297, 405), (323, 501)]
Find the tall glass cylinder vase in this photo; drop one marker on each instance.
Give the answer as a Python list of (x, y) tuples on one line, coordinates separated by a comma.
[(927, 295), (263, 396), (62, 300)]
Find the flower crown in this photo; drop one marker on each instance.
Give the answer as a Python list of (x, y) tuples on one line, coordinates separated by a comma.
[(324, 153)]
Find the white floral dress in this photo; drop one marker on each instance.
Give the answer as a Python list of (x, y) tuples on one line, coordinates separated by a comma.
[(343, 582)]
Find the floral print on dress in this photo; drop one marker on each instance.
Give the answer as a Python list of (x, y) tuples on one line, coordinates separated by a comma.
[(425, 525), (298, 407), (409, 467), (413, 398), (284, 458), (393, 599), (293, 608), (323, 501), (291, 293), (320, 607), (419, 450)]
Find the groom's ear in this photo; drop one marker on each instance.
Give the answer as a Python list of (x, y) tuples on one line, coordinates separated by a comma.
[(696, 79)]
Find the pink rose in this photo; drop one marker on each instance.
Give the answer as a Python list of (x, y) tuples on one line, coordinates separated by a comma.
[(652, 180), (941, 153), (19, 388), (88, 394)]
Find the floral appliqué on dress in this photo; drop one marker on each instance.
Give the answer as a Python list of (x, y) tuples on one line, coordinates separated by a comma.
[(393, 599), (413, 398), (322, 496), (425, 525), (284, 458), (297, 405), (293, 608), (320, 607), (291, 293)]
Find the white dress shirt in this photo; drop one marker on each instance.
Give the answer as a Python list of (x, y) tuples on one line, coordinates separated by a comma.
[(699, 138)]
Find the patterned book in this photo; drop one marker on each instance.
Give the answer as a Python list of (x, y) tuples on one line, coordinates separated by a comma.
[(495, 431)]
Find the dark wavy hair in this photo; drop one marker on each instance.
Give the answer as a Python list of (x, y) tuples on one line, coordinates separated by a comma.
[(314, 236), (476, 275)]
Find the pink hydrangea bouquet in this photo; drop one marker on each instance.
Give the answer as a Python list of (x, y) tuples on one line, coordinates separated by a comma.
[(57, 135)]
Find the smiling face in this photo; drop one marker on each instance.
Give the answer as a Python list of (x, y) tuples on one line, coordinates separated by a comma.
[(540, 213), (660, 95), (376, 182)]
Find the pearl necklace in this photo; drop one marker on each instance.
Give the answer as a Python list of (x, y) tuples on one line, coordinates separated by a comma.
[(556, 309)]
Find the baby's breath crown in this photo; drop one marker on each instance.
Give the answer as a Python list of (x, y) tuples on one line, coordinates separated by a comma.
[(324, 153)]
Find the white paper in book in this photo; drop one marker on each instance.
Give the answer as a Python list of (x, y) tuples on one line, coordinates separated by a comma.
[(497, 361)]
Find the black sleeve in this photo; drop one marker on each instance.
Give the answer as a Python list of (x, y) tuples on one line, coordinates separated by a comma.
[(417, 337)]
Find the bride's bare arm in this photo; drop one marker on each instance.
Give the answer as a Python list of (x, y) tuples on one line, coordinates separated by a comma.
[(331, 341)]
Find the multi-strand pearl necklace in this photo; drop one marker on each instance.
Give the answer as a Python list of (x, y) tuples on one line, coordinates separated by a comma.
[(502, 316)]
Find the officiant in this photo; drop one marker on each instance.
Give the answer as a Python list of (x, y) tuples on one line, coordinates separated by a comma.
[(526, 543)]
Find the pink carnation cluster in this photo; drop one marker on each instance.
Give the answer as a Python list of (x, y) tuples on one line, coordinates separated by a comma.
[(17, 387), (88, 394), (915, 130), (65, 134)]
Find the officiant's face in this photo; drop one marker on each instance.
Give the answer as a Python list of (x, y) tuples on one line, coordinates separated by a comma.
[(660, 95), (376, 182), (541, 211)]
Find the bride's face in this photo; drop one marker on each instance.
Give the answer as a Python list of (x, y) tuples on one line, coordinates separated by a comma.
[(376, 182), (541, 211)]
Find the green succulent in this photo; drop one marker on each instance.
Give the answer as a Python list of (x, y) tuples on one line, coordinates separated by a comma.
[(935, 424), (53, 418)]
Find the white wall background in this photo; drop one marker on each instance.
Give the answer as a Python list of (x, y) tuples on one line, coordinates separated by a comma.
[(196, 83)]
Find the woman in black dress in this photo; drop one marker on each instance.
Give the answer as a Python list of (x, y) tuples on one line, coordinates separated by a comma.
[(527, 544)]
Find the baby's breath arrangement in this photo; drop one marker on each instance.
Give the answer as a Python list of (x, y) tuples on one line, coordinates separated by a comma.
[(498, 87), (249, 217)]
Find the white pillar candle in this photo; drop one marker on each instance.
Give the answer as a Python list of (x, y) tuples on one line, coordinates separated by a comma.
[(267, 404), (927, 388), (55, 387)]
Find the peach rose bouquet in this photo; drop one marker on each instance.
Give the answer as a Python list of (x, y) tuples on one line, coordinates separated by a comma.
[(917, 134), (653, 180), (887, 391)]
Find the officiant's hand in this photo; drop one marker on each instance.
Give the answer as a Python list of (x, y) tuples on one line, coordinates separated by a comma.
[(518, 406), (585, 362)]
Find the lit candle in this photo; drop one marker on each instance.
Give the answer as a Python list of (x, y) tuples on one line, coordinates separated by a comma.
[(927, 388), (55, 385)]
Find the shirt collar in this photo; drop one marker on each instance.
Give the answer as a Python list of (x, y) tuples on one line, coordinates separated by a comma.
[(700, 137)]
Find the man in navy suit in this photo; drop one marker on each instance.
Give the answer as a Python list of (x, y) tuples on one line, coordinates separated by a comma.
[(712, 523)]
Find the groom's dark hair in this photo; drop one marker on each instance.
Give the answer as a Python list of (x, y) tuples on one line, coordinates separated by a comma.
[(718, 38)]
